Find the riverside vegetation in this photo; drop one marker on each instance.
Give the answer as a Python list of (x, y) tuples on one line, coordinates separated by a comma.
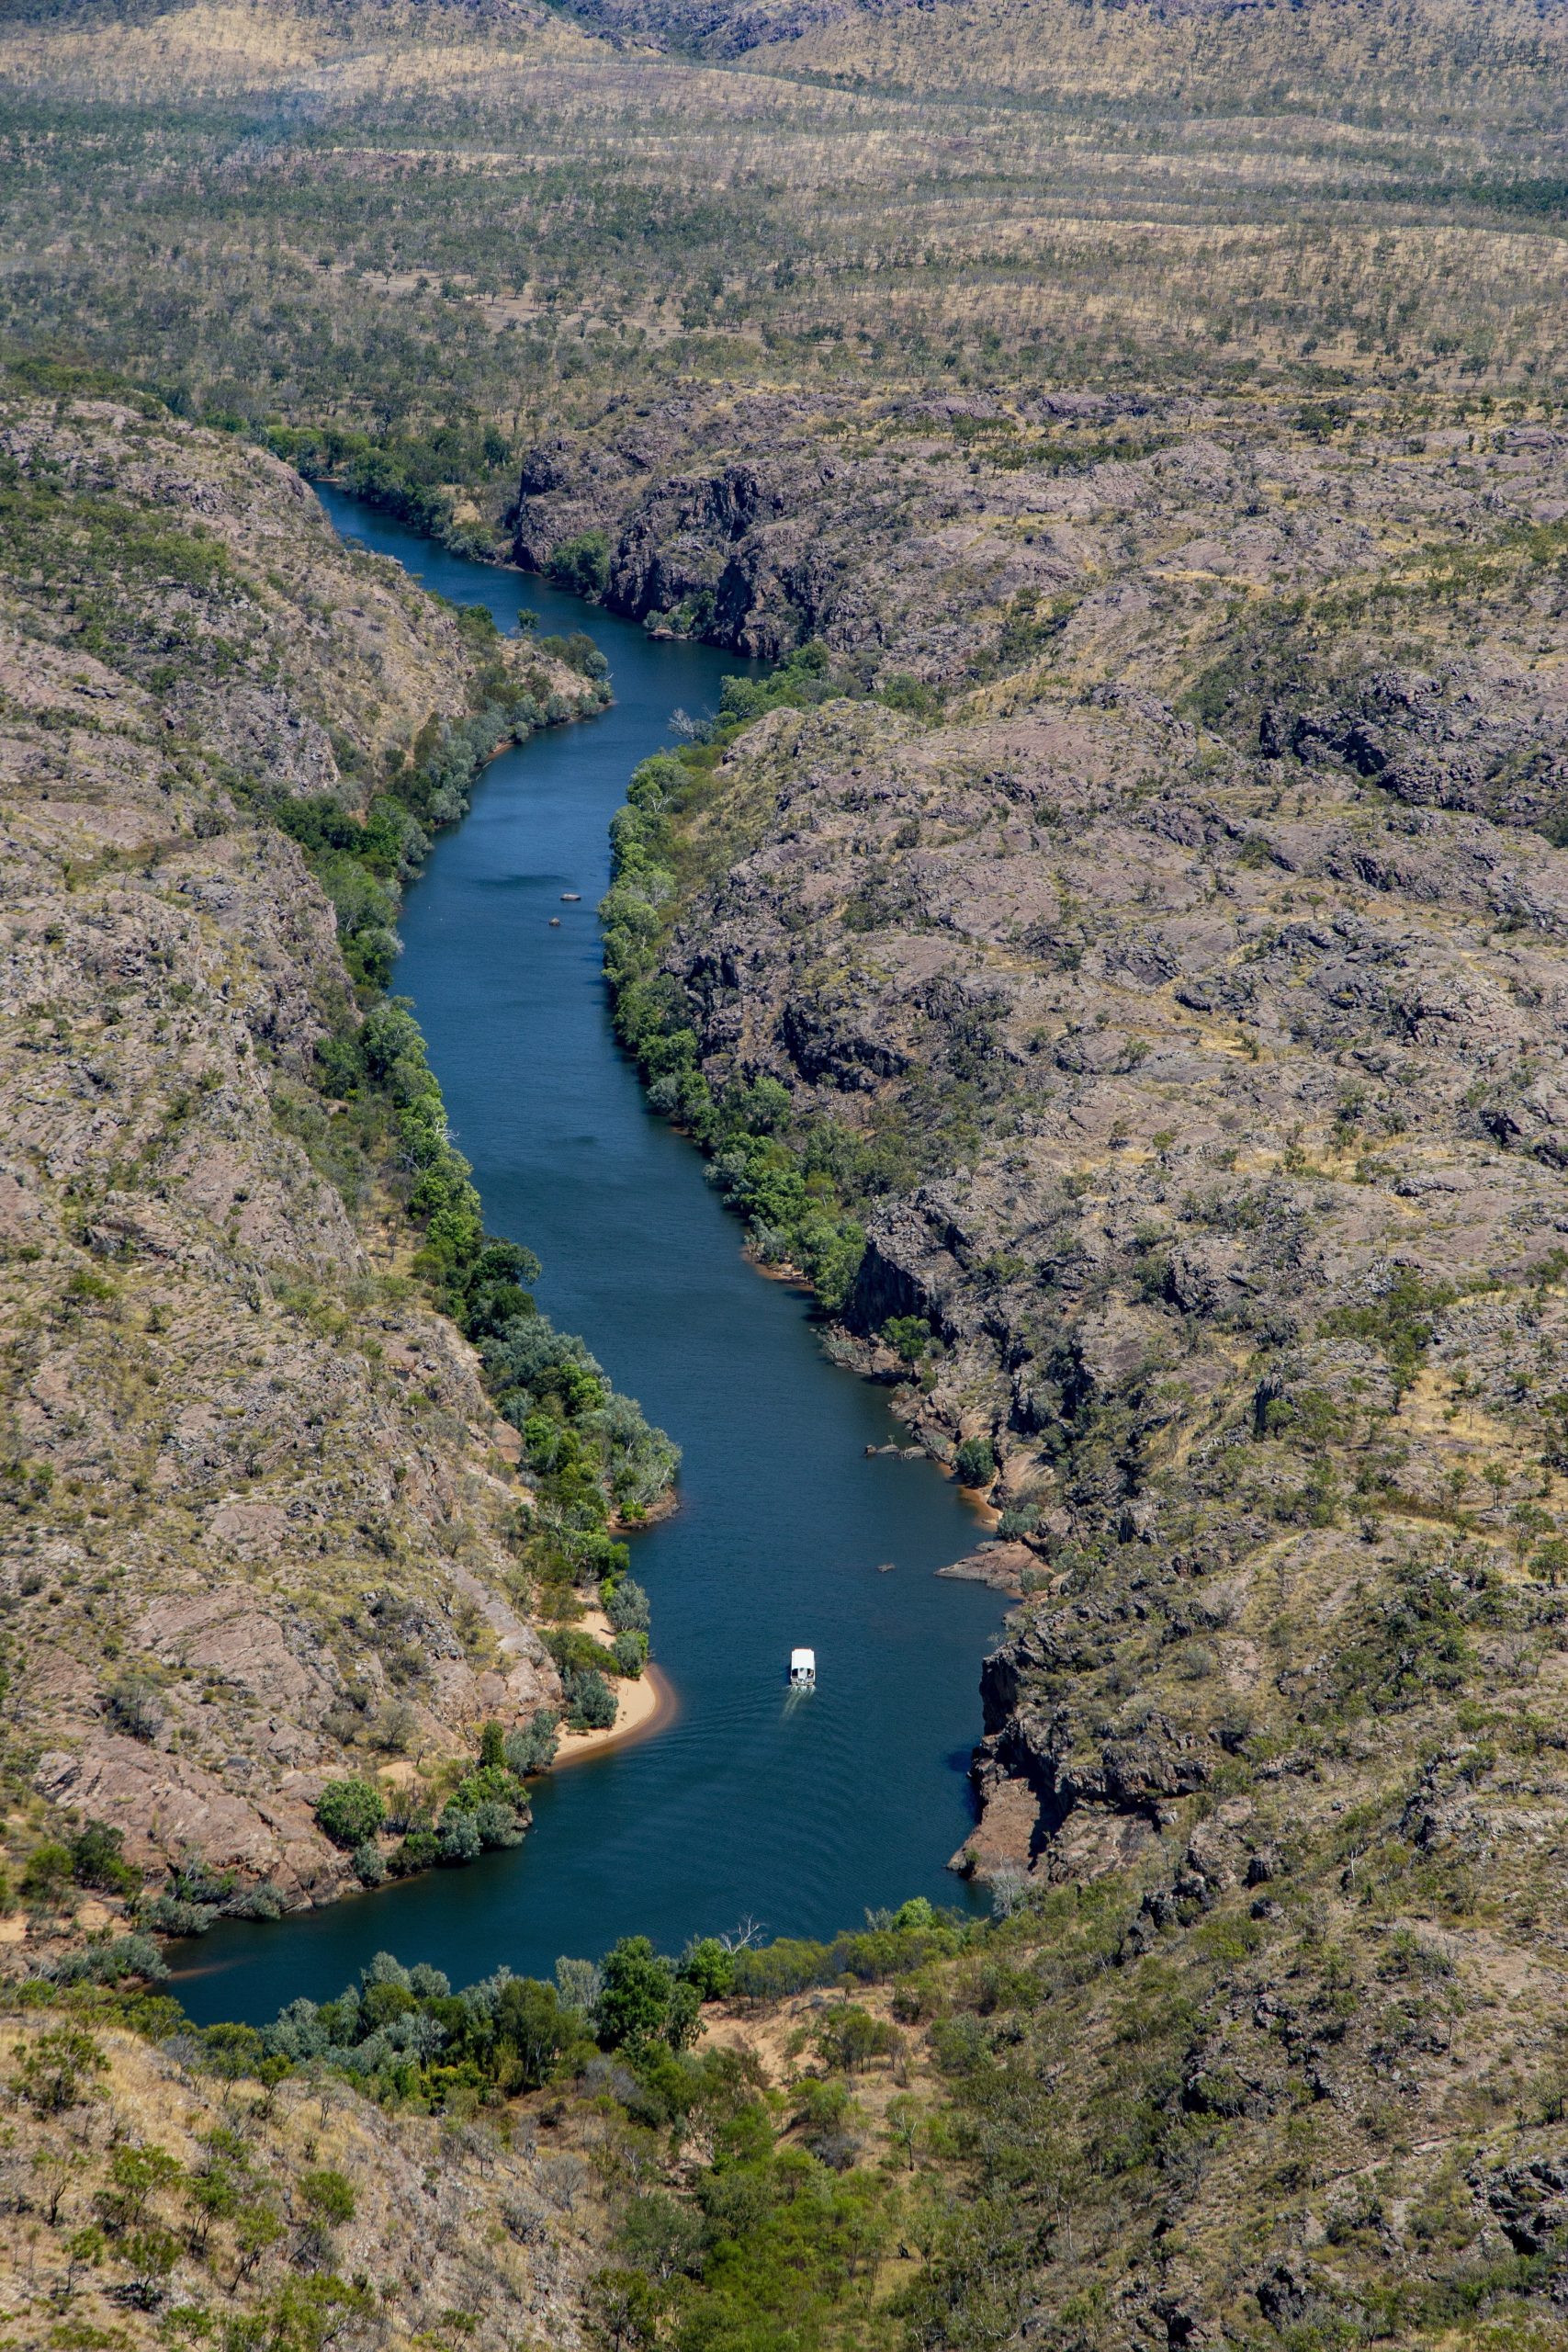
[(293, 1470), (1118, 957)]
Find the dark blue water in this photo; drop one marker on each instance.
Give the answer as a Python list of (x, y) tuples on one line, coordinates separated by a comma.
[(799, 1814)]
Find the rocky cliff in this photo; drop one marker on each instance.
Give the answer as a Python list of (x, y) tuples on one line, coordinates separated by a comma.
[(257, 1505), (1180, 1014)]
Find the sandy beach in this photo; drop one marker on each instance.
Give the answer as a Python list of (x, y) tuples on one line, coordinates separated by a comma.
[(645, 1707)]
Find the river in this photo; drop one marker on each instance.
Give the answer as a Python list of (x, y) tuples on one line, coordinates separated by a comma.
[(797, 1814)]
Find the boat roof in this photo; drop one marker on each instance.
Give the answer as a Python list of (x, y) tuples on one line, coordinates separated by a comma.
[(803, 1657)]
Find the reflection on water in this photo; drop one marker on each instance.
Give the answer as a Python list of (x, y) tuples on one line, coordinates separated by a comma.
[(801, 1816)]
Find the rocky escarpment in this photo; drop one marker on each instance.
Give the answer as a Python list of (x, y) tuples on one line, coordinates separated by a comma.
[(892, 527), (1182, 1017), (1156, 1055), (258, 1507)]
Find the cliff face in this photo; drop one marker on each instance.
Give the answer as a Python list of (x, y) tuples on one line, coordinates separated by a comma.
[(1178, 1007), (254, 1507), (1181, 1011)]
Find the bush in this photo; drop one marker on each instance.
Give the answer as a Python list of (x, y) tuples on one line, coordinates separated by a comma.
[(910, 1335), (591, 1705), (532, 1747), (98, 1860), (348, 1811), (848, 2038), (261, 1901), (131, 1705), (418, 1850), (581, 563), (459, 1839), (630, 1654), (498, 1823), (578, 652), (975, 1463), (708, 1966), (626, 1607), (46, 1873), (329, 2195), (171, 1915), (110, 1962), (368, 1867)]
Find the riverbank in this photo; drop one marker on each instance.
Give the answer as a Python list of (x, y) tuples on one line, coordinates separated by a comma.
[(643, 1707)]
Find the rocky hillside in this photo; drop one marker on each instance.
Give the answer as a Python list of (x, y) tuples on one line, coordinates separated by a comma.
[(1154, 1052), (152, 2197), (261, 1517), (1176, 1014)]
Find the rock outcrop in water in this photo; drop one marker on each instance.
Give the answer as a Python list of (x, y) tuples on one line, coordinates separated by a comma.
[(258, 1508)]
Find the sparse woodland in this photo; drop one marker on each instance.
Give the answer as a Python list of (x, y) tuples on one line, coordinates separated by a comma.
[(1117, 954)]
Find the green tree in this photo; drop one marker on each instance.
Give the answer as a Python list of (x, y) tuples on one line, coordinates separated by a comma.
[(848, 2037), (531, 2021), (975, 1463), (150, 2254), (634, 2002), (582, 564), (257, 2229), (625, 2310), (135, 2177), (329, 2195), (350, 1811), (708, 1966), (532, 1747), (57, 2070), (46, 1873), (910, 1335), (98, 1859)]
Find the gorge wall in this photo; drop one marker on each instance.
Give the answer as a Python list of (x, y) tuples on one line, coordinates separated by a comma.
[(256, 1501)]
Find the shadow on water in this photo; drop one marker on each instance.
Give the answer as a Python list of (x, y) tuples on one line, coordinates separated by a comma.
[(800, 1815)]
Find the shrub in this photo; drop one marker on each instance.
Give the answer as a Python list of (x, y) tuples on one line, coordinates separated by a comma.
[(418, 1850), (848, 2037), (57, 2071), (329, 2195), (910, 1335), (591, 1703), (708, 1966), (626, 1608), (581, 563), (46, 1874), (261, 1901), (133, 1706), (498, 1825), (459, 1839), (975, 1463), (630, 1652), (171, 1915), (348, 1811), (368, 1867), (532, 1747), (110, 1962), (98, 1860)]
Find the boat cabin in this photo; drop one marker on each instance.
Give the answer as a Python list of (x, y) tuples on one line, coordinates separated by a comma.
[(803, 1669)]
